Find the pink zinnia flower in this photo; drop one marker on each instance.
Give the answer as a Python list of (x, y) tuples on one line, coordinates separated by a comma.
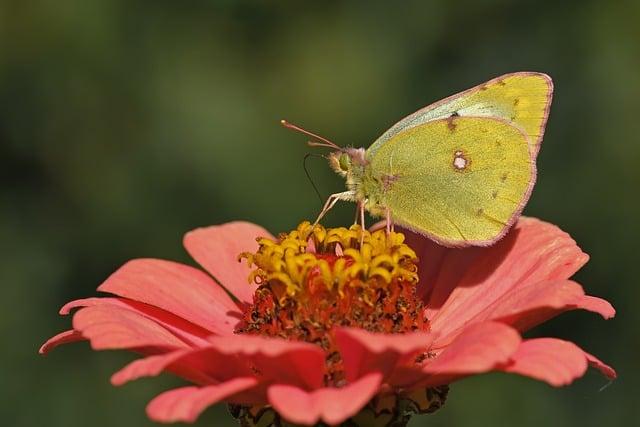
[(328, 330)]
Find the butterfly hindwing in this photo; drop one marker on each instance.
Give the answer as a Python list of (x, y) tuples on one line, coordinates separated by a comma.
[(461, 181)]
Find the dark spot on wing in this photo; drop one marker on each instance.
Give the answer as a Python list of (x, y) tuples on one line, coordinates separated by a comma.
[(501, 83), (388, 180), (479, 212), (455, 114), (498, 143), (516, 102), (483, 88), (503, 178), (451, 124), (494, 194)]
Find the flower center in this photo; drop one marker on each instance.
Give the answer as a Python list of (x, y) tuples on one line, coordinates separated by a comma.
[(313, 278)]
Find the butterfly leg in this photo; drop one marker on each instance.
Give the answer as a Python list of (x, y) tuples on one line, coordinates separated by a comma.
[(387, 217), (362, 225), (331, 202), (357, 217)]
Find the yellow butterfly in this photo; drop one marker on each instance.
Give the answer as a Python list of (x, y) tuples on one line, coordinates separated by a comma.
[(458, 171)]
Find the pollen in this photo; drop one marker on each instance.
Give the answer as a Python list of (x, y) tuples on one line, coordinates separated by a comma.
[(314, 278)]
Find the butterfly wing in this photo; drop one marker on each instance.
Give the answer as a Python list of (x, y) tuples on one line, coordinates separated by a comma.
[(522, 99), (461, 181)]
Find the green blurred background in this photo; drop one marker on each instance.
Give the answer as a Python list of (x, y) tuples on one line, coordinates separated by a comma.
[(124, 124)]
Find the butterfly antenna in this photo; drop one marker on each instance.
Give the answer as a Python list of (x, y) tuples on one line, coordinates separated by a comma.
[(306, 171), (323, 141)]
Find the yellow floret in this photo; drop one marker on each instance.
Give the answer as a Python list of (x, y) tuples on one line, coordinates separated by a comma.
[(380, 259)]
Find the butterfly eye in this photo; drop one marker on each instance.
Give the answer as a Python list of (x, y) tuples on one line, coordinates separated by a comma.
[(345, 162)]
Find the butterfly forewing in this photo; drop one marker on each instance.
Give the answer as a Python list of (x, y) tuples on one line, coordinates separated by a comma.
[(461, 181), (522, 99)]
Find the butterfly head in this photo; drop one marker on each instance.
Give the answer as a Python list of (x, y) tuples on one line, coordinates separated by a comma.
[(344, 161)]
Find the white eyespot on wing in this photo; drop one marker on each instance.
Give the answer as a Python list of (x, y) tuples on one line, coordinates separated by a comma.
[(459, 160)]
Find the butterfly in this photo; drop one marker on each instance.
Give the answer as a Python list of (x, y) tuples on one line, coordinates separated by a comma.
[(458, 171)]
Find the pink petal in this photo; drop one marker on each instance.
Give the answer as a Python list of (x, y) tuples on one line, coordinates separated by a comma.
[(477, 349), (554, 361), (217, 248), (146, 367), (480, 348), (331, 405), (531, 304), (187, 403), (199, 365), (534, 303), (289, 362), (464, 282), (596, 305), (177, 288), (365, 352), (62, 338), (186, 331), (300, 364), (111, 327), (605, 369), (440, 268)]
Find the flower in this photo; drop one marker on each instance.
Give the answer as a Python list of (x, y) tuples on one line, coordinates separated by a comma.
[(329, 329)]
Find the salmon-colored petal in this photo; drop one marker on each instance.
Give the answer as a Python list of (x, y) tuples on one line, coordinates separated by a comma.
[(111, 327), (185, 331), (554, 361), (200, 365), (464, 282), (480, 348), (477, 349), (534, 303), (331, 405), (177, 288), (364, 352), (529, 305), (598, 364), (147, 367), (59, 339), (596, 305), (290, 362), (188, 332), (297, 363), (216, 248), (440, 268), (187, 403)]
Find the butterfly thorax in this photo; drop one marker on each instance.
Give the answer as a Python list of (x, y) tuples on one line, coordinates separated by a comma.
[(362, 186)]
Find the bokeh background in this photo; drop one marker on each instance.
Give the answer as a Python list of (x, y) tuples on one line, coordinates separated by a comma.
[(124, 124)]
